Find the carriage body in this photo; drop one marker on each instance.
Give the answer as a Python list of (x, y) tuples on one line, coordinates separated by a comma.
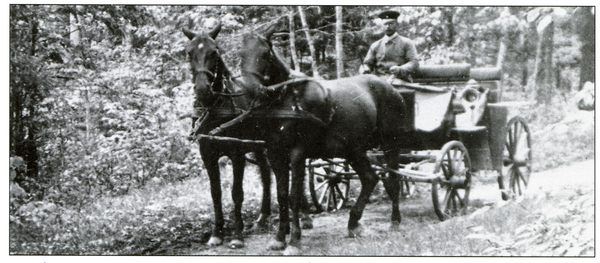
[(466, 108)]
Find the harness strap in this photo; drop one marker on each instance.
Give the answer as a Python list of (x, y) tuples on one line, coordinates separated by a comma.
[(230, 123)]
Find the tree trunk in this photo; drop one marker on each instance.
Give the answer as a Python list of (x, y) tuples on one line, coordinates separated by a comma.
[(74, 30), (448, 15), (295, 63), (88, 116), (544, 67), (311, 45), (587, 37), (502, 46), (34, 34), (339, 44)]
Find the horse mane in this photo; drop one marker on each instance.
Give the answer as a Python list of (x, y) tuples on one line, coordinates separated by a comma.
[(280, 61)]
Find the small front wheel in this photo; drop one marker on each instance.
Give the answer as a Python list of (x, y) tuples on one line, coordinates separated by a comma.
[(329, 185), (450, 192)]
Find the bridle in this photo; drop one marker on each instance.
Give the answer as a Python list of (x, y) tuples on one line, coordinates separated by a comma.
[(278, 90), (219, 73), (261, 76), (226, 79)]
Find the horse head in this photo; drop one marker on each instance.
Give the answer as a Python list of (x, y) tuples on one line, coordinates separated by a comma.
[(208, 69), (260, 65)]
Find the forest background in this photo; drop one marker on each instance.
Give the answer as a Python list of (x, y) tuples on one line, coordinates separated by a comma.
[(96, 92)]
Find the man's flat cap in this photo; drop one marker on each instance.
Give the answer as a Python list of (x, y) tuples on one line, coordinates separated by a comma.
[(389, 14)]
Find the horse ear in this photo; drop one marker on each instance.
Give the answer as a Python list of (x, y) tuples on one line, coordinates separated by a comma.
[(191, 35), (270, 30), (213, 33)]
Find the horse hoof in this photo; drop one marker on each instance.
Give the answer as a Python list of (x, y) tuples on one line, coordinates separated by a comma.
[(236, 243), (214, 241), (292, 251), (276, 245), (395, 227), (356, 232)]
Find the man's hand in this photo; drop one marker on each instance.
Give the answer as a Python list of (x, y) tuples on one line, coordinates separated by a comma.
[(399, 71)]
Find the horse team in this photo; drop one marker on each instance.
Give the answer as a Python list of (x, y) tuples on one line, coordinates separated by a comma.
[(348, 117)]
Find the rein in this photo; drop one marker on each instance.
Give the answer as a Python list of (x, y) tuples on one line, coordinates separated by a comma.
[(259, 110), (226, 78)]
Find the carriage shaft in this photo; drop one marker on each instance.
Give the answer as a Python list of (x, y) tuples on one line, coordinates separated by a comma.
[(416, 176)]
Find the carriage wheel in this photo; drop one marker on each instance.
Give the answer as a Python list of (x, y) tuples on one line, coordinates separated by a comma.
[(451, 194), (517, 155), (329, 186)]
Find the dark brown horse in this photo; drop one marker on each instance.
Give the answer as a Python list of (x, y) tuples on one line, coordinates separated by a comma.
[(348, 117), (216, 94)]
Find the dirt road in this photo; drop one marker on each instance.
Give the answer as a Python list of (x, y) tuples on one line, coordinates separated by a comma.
[(418, 209)]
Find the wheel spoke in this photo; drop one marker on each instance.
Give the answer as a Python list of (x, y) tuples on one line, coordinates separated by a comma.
[(339, 191), (450, 163), (513, 181), (525, 180), (454, 203), (515, 139), (447, 199), (457, 160), (320, 174), (328, 198), (334, 199), (518, 182), (510, 140), (511, 151), (445, 170), (322, 184), (404, 185), (324, 191), (460, 202)]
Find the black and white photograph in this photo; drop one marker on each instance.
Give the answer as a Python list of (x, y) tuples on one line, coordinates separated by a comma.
[(215, 130)]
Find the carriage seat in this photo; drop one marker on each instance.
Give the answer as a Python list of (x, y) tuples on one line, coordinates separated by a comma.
[(432, 100)]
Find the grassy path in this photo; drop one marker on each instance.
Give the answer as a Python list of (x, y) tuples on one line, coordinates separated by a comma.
[(527, 226)]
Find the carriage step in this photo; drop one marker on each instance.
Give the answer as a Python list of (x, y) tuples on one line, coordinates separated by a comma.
[(469, 129)]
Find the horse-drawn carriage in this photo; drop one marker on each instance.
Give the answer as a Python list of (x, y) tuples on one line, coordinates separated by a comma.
[(456, 110), (379, 130)]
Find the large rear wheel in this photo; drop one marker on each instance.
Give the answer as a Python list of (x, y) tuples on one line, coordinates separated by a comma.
[(450, 192), (517, 155)]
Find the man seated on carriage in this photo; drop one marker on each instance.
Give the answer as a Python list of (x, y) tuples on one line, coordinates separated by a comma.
[(393, 53)]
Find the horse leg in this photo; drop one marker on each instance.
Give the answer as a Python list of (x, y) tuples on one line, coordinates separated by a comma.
[(506, 195), (261, 225), (298, 165), (279, 164), (211, 163), (237, 195), (368, 181), (392, 187), (305, 220)]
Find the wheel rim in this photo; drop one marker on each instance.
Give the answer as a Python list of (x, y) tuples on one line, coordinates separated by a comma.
[(451, 195), (517, 155), (328, 188)]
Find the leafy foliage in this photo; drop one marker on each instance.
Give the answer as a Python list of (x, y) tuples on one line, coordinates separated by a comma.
[(98, 119)]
